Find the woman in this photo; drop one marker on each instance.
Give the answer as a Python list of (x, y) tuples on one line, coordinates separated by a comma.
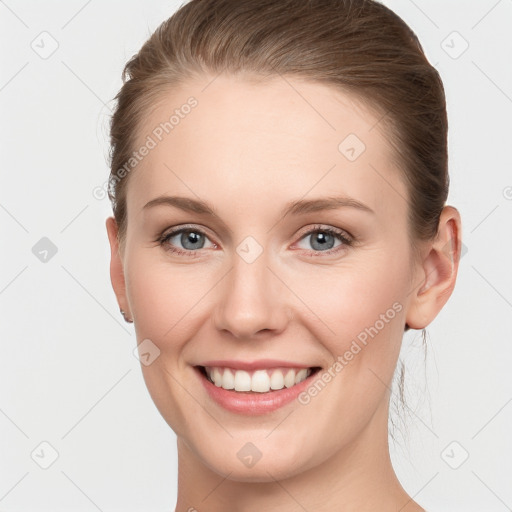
[(278, 181)]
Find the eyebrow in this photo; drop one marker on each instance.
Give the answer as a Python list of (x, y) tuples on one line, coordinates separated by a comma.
[(298, 207)]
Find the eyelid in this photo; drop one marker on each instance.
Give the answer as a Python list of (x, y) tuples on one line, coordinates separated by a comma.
[(185, 227), (176, 230), (326, 227)]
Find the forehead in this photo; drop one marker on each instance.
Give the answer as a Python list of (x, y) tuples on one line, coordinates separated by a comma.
[(262, 143)]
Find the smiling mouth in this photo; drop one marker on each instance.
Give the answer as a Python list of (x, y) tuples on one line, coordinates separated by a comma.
[(257, 381)]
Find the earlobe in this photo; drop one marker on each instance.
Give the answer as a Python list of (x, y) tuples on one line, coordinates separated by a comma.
[(116, 267), (438, 271)]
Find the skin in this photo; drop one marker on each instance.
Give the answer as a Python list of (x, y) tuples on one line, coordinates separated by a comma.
[(248, 149)]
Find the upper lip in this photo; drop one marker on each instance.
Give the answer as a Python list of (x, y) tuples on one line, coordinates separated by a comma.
[(253, 365)]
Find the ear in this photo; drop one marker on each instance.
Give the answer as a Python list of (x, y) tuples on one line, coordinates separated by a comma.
[(116, 267), (437, 273)]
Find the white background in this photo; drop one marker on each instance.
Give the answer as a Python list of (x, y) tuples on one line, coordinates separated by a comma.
[(67, 372)]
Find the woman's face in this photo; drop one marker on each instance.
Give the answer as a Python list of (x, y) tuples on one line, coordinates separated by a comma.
[(252, 287)]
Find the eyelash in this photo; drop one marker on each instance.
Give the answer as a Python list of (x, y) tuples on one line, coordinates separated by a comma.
[(340, 235)]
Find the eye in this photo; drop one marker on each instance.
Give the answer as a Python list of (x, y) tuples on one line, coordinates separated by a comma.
[(322, 240), (190, 238)]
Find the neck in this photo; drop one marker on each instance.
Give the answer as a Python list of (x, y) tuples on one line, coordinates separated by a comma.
[(359, 477)]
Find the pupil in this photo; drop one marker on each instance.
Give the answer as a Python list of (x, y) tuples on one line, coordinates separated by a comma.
[(190, 237), (322, 241)]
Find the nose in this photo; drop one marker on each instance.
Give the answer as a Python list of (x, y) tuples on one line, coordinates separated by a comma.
[(252, 301)]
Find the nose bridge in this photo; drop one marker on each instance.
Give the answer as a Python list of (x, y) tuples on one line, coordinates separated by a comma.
[(251, 299)]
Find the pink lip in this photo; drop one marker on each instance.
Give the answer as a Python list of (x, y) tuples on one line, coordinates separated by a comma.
[(252, 403), (260, 364)]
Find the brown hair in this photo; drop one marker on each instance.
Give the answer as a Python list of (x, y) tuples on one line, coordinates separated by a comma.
[(358, 46)]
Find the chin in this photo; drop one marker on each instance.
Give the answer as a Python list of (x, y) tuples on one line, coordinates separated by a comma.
[(258, 460)]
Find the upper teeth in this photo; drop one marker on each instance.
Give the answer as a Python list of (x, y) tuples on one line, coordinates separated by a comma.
[(260, 381)]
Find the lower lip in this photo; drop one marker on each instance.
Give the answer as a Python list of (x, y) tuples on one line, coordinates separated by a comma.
[(253, 403)]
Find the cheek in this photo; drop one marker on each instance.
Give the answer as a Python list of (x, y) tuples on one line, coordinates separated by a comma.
[(165, 298), (347, 301), (362, 316)]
